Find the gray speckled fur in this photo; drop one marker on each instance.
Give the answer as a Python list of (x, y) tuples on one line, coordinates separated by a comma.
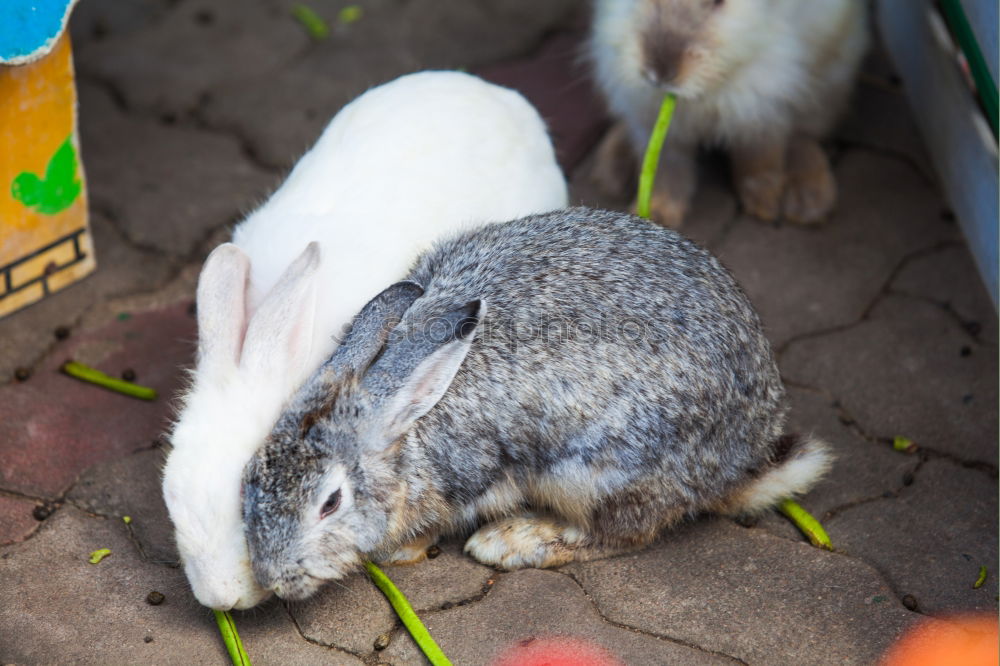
[(663, 400)]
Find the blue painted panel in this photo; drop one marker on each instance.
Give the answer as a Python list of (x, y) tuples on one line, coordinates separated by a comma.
[(29, 28), (961, 143)]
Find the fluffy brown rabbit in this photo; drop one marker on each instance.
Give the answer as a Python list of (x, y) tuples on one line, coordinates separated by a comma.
[(763, 79)]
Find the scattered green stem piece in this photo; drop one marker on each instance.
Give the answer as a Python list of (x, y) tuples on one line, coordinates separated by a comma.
[(903, 444), (982, 578), (350, 14), (652, 157), (88, 374), (409, 617), (806, 523), (232, 639), (99, 555), (312, 22)]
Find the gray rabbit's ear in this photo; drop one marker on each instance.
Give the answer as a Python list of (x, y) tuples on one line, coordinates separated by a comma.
[(371, 327), (221, 299), (418, 366)]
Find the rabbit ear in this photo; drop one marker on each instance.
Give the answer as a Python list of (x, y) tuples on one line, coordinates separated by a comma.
[(221, 300), (415, 371), (280, 334), (371, 327)]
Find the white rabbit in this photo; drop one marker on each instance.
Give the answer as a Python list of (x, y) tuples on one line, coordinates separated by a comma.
[(763, 79), (421, 157)]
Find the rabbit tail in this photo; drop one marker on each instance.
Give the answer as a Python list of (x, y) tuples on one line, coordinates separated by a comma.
[(797, 464)]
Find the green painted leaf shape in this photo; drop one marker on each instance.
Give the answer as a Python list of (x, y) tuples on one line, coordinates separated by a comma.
[(60, 188)]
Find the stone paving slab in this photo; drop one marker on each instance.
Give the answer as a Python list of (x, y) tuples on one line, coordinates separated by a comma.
[(910, 369), (805, 279), (353, 613), (930, 540), (54, 426), (534, 605), (947, 276), (166, 187), (280, 116), (755, 597), (53, 598), (130, 486)]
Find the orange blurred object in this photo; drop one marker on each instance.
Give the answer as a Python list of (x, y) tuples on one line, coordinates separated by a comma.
[(968, 640), (556, 651)]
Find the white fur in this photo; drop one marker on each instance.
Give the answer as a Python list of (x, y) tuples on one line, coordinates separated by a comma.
[(793, 477), (760, 69), (408, 162)]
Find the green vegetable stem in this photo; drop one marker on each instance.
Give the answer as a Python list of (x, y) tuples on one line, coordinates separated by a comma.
[(232, 639), (806, 524), (88, 374), (652, 157), (409, 617)]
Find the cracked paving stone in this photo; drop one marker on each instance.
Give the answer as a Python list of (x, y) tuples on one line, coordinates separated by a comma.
[(804, 279), (99, 20), (534, 604), (57, 608), (900, 373), (748, 594), (198, 47), (861, 470), (879, 114), (53, 427), (282, 113), (17, 520), (164, 187), (931, 540), (352, 613), (130, 486), (120, 268), (949, 276)]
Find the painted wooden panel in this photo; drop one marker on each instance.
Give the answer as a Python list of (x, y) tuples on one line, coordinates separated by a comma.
[(45, 242)]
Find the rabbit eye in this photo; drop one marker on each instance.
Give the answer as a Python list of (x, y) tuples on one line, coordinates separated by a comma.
[(330, 505)]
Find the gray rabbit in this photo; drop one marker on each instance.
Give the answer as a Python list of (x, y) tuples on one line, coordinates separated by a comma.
[(579, 380)]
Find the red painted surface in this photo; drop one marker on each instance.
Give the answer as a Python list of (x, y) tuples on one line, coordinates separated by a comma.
[(52, 427)]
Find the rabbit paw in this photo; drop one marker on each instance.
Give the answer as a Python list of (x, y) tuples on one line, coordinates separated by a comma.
[(760, 194), (614, 163), (525, 541), (410, 553), (811, 190)]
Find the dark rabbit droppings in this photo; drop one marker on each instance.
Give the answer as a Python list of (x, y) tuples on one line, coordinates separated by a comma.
[(381, 642), (155, 598), (128, 374), (147, 639), (966, 350), (22, 374), (910, 602), (433, 552), (908, 479), (61, 332), (42, 512)]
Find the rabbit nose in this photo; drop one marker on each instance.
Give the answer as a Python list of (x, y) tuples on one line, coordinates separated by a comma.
[(663, 56)]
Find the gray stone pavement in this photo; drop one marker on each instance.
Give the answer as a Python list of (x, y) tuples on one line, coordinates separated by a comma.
[(191, 110)]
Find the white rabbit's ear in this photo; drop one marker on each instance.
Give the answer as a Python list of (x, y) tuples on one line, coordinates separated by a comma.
[(221, 302), (279, 337), (417, 368)]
